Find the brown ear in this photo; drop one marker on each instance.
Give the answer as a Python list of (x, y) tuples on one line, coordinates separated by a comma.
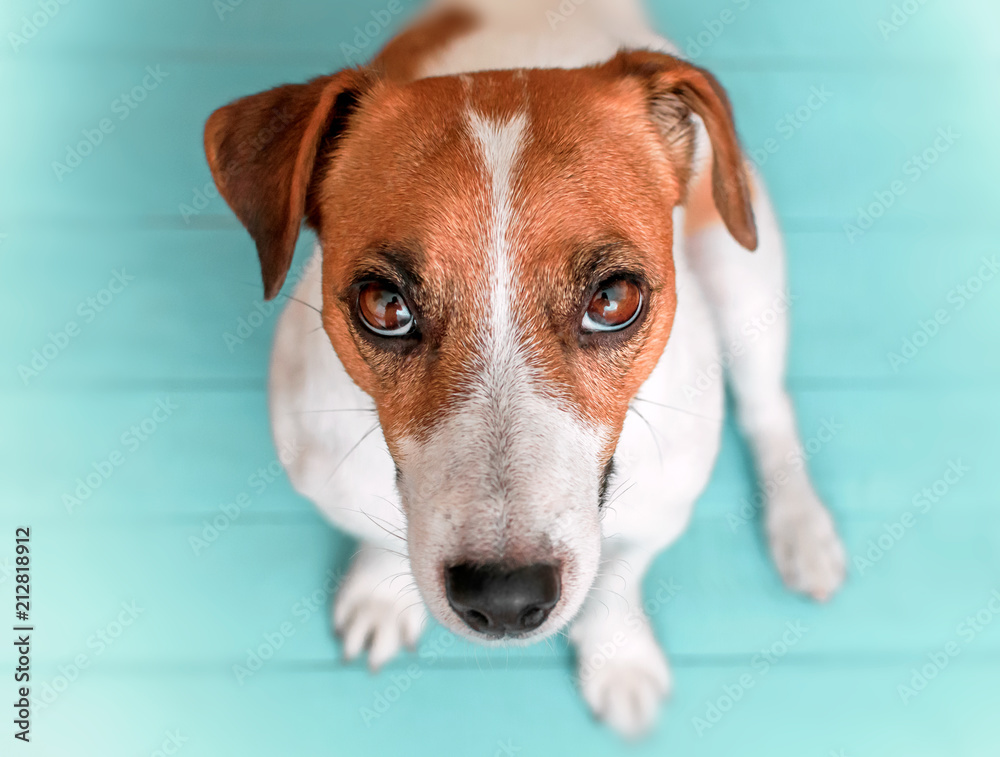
[(262, 151), (676, 90)]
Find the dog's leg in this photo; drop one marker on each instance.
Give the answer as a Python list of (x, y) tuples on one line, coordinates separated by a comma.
[(663, 461), (749, 297), (377, 607), (622, 672)]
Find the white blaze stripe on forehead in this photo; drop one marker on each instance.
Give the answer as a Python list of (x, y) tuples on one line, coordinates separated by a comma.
[(509, 473), (500, 144)]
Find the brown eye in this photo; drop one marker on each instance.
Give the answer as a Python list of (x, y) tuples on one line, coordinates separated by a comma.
[(383, 309), (615, 305)]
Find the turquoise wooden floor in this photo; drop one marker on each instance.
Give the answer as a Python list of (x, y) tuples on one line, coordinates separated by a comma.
[(133, 409)]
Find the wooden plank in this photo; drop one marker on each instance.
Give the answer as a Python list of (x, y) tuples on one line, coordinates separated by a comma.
[(891, 308), (871, 453), (190, 307), (798, 33), (711, 30), (791, 711), (150, 162), (222, 600)]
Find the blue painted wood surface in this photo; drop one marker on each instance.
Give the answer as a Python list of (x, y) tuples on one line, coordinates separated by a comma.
[(140, 624)]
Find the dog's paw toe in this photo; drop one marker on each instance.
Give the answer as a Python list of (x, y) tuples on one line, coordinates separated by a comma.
[(627, 694), (375, 612), (807, 550), (383, 629)]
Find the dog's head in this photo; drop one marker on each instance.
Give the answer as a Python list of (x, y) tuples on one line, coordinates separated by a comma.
[(498, 277)]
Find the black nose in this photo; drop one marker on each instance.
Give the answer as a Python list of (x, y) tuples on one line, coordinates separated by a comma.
[(497, 601)]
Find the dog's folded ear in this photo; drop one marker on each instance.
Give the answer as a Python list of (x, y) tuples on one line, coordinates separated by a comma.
[(262, 150), (676, 89)]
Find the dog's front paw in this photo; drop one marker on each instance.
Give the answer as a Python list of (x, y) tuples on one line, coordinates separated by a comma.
[(624, 680), (805, 546), (377, 609)]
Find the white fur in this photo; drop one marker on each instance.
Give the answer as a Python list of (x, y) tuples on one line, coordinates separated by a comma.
[(378, 606), (501, 145), (665, 453)]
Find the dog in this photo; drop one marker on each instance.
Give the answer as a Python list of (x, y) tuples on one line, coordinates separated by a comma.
[(536, 232)]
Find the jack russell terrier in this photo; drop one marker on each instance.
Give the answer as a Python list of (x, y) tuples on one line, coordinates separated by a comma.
[(533, 231)]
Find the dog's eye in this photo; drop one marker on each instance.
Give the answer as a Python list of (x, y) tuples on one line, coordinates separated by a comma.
[(383, 309), (615, 305)]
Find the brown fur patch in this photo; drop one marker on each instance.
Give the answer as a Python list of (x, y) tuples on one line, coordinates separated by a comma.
[(405, 56), (593, 176)]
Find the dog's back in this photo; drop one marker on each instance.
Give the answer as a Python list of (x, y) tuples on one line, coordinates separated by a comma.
[(533, 34)]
